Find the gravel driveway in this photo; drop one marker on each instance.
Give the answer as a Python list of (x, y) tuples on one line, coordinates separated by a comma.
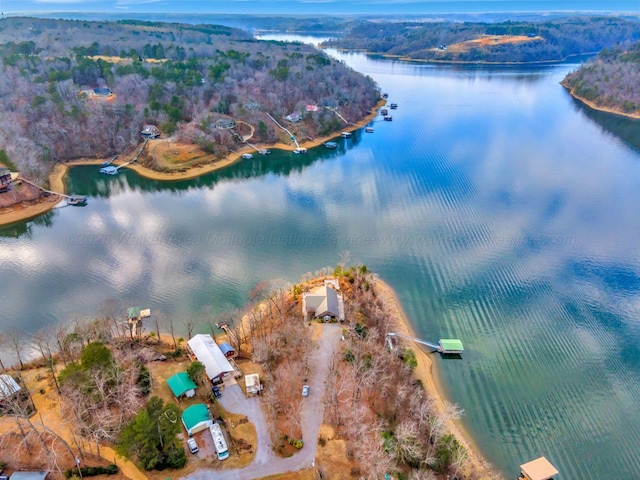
[(266, 462)]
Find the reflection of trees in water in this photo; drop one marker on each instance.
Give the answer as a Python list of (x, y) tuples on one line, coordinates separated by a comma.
[(627, 129), (24, 229), (88, 181)]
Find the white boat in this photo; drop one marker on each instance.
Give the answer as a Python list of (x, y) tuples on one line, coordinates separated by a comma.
[(247, 156), (369, 129), (331, 144), (300, 150), (264, 151), (345, 134)]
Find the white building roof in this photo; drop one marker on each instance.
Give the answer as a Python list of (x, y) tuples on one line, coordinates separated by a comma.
[(252, 382), (209, 354), (8, 386)]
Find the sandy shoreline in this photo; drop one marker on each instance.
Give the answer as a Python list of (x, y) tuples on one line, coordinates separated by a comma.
[(592, 105), (56, 177), (427, 373)]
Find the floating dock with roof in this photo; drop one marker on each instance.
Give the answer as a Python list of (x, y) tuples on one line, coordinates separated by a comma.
[(450, 346), (446, 346), (538, 469)]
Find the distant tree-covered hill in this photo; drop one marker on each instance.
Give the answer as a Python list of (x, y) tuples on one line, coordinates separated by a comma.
[(182, 78), (611, 81), (550, 40)]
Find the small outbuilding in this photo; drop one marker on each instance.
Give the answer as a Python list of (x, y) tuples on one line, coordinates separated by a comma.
[(227, 349), (538, 469), (181, 384), (252, 382), (196, 418)]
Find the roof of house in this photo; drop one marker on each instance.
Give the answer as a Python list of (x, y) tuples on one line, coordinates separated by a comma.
[(207, 352), (8, 386), (226, 348), (4, 171), (150, 130), (29, 475), (323, 301), (180, 383), (102, 91), (538, 469), (452, 344), (133, 312), (195, 414)]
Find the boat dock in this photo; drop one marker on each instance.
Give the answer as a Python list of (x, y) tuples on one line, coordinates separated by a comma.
[(109, 169), (298, 149), (75, 200), (445, 346)]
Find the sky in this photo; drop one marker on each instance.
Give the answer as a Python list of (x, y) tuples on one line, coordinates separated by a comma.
[(12, 7)]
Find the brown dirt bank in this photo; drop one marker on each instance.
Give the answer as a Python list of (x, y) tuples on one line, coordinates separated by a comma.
[(590, 104), (427, 373)]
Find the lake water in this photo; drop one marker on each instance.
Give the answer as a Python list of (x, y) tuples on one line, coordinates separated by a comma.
[(501, 211)]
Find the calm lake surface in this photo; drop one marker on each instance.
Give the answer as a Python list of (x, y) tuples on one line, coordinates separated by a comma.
[(501, 211)]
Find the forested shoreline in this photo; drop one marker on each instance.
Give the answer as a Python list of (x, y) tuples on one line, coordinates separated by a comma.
[(610, 81), (543, 41), (182, 78)]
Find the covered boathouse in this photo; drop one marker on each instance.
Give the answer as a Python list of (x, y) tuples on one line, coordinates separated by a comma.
[(538, 469)]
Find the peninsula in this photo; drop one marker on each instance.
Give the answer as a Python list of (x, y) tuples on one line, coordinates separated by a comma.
[(338, 397), (609, 82), (79, 91), (505, 42)]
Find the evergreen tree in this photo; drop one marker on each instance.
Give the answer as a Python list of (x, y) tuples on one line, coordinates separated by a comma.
[(152, 437)]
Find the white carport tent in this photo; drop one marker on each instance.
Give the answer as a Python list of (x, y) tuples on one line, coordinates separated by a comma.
[(209, 354)]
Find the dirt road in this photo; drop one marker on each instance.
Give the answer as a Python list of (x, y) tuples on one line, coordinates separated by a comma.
[(266, 462)]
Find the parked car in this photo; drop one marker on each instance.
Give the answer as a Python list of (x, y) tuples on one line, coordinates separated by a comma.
[(193, 446), (216, 392), (305, 391)]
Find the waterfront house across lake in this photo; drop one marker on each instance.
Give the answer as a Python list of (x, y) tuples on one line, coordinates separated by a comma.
[(150, 131)]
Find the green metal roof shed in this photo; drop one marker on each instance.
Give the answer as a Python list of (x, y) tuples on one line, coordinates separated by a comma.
[(451, 345), (181, 384), (196, 418)]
